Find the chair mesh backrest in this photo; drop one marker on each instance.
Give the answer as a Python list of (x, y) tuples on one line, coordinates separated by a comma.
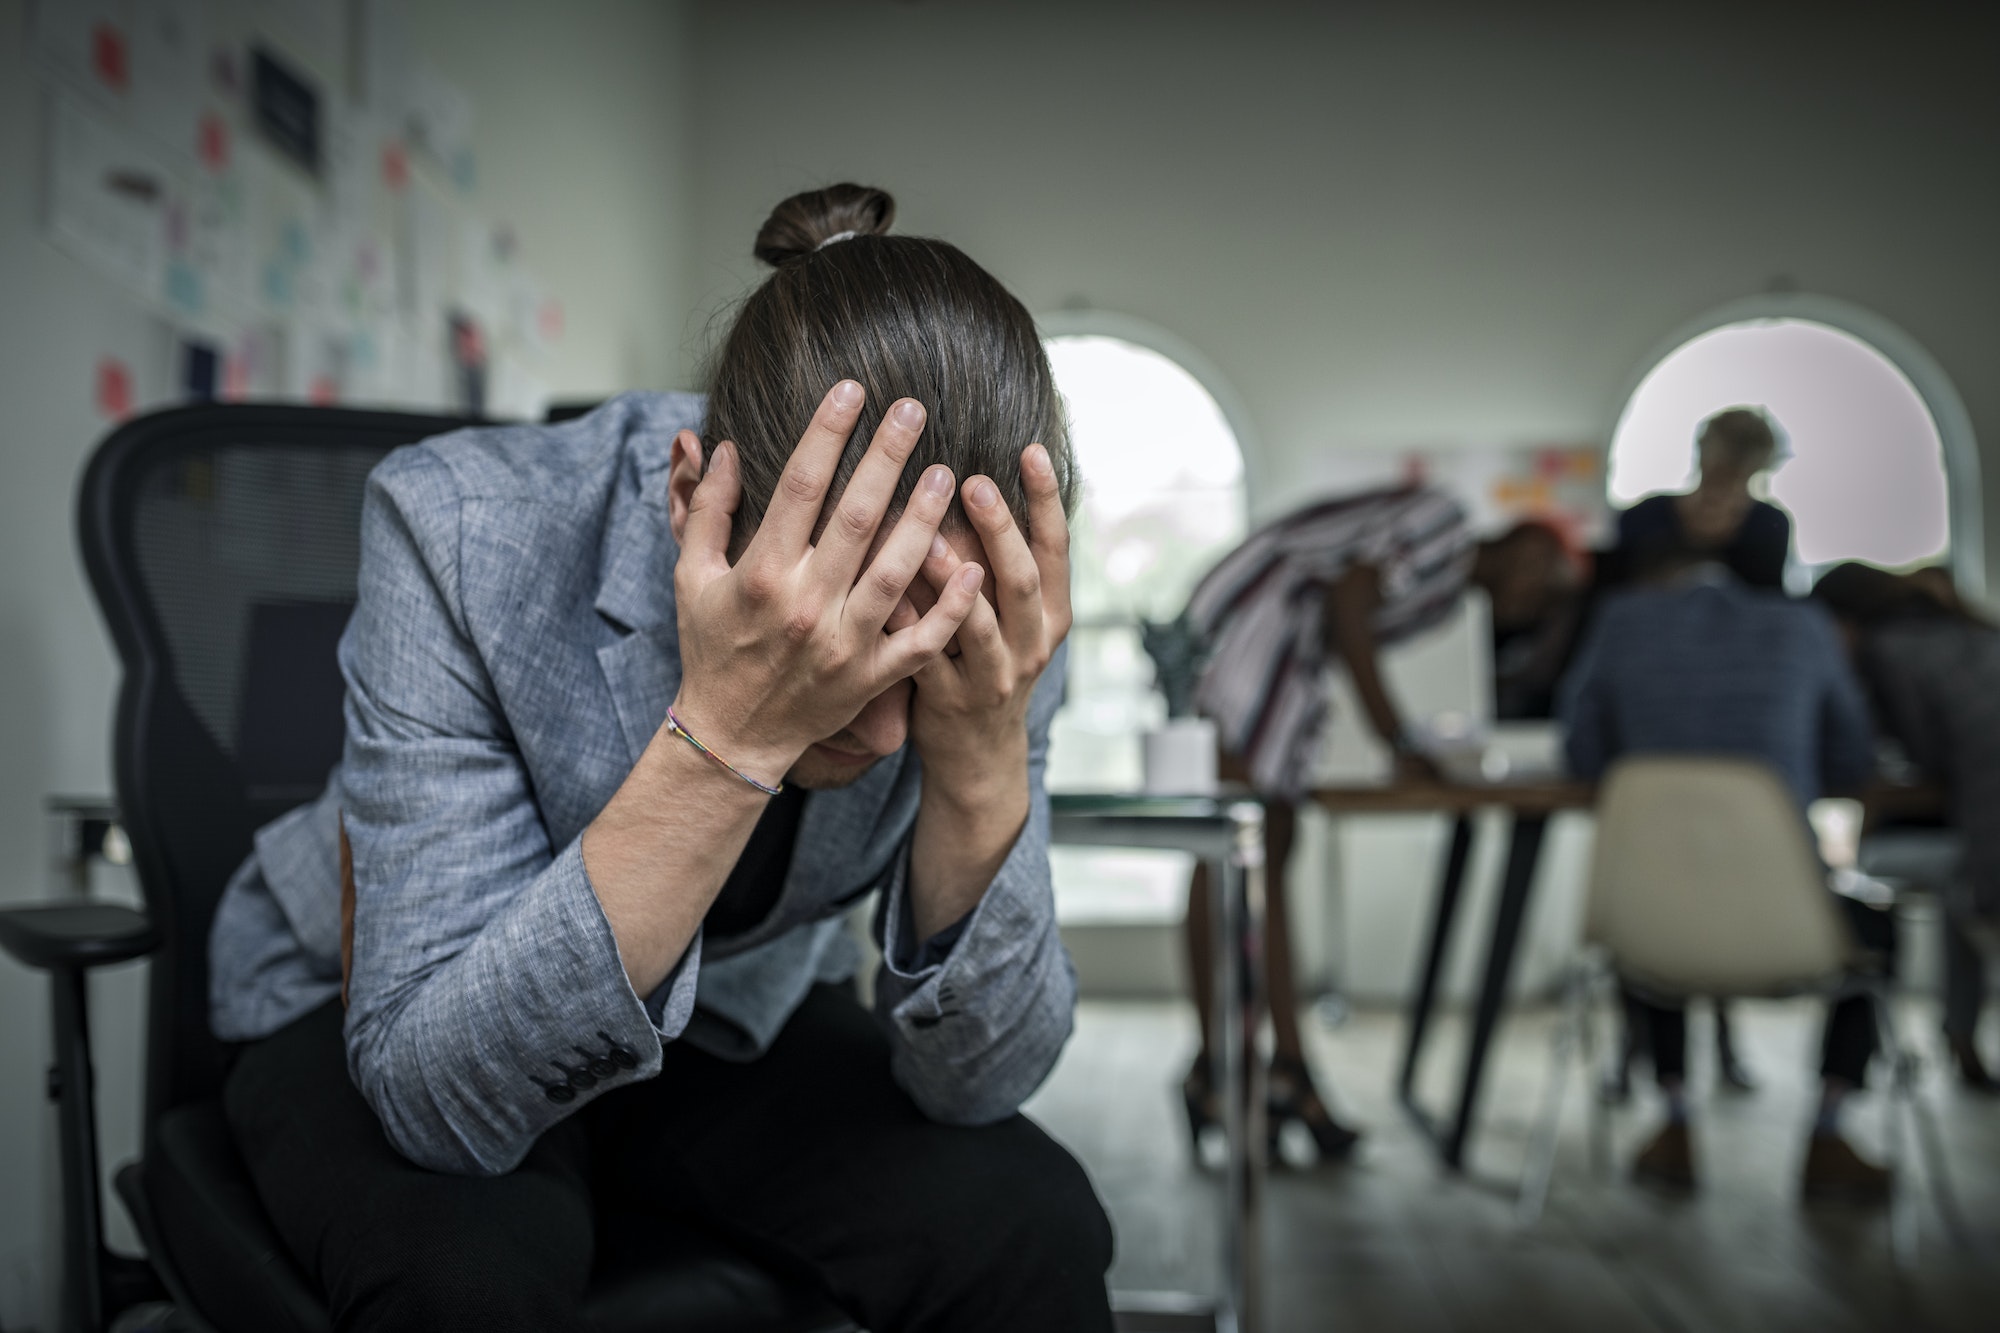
[(1703, 881), (223, 543)]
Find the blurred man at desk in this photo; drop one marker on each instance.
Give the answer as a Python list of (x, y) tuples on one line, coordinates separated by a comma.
[(1694, 661)]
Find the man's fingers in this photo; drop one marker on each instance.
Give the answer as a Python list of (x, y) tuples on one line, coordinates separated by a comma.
[(887, 579), (911, 648), (1017, 579), (1048, 532), (788, 523), (850, 528), (904, 616), (711, 510)]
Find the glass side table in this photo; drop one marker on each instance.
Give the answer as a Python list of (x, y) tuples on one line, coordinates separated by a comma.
[(1227, 833)]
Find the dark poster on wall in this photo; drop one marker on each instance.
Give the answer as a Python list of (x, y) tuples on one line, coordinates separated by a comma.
[(286, 106)]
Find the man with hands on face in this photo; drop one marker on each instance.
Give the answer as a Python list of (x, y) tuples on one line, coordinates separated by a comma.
[(638, 707)]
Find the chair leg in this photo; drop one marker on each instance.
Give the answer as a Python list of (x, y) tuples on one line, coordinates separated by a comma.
[(70, 1088), (1912, 1116), (1596, 1109), (1541, 1163)]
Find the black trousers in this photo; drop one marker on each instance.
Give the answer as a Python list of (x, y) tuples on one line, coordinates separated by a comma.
[(811, 1150), (1848, 1041)]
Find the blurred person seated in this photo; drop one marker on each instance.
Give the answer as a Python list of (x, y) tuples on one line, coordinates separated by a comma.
[(1719, 518), (1333, 582), (1694, 661), (1932, 668)]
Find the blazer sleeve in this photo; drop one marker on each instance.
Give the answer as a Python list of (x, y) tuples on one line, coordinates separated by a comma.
[(487, 1000), (975, 1027)]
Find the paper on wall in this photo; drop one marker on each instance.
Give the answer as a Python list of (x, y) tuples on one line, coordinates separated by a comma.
[(170, 71), (440, 121), (108, 198), (427, 251), (88, 45)]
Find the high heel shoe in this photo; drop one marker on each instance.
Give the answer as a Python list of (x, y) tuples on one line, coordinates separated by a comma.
[(1289, 1095)]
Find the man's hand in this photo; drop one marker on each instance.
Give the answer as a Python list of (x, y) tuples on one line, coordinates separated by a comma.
[(777, 652), (784, 648), (969, 718)]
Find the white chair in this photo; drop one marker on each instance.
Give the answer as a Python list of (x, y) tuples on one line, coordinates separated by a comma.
[(1704, 881)]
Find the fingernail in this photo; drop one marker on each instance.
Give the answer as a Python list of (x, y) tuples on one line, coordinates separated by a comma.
[(983, 493), (1037, 459), (939, 548), (971, 577), (910, 413), (847, 394), (938, 480)]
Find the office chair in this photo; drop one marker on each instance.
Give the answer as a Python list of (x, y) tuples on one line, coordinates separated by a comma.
[(1703, 882), (222, 543)]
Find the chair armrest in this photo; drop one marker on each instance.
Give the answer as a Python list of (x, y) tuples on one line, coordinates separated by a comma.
[(79, 935)]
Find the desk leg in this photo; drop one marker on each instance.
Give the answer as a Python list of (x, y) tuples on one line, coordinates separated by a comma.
[(1427, 981), (1238, 882), (1524, 850)]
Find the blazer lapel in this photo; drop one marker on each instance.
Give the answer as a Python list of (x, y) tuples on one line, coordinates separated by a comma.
[(635, 596)]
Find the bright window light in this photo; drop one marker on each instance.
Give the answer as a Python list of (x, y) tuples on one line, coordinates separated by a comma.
[(1862, 468), (1162, 477)]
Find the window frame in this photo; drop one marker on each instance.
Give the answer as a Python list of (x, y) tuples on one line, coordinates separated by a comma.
[(1964, 498)]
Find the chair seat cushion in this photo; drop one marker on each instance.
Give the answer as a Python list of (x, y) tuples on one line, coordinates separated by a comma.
[(652, 1274)]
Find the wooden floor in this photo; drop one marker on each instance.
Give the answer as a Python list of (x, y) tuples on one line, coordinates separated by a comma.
[(1391, 1242)]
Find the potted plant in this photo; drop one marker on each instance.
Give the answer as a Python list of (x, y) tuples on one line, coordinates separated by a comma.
[(1179, 755)]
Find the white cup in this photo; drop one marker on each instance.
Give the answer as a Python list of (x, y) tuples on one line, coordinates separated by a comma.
[(1179, 758)]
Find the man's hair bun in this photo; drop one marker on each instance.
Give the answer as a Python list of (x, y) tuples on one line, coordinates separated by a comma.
[(805, 222)]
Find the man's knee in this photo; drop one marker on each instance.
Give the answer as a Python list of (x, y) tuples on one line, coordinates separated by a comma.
[(1038, 1209)]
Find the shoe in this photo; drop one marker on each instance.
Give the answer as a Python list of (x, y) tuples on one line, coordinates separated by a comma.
[(1972, 1072), (1668, 1161), (1198, 1097), (1289, 1095), (1735, 1076), (1835, 1173)]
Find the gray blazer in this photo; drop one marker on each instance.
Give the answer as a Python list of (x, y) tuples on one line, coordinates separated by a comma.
[(512, 652)]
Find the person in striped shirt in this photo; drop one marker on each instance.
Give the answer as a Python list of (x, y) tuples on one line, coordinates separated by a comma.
[(1334, 582)]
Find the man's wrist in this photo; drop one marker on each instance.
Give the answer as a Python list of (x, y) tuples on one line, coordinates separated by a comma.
[(976, 780), (731, 750)]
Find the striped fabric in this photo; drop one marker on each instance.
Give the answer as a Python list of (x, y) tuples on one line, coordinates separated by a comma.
[(1259, 610)]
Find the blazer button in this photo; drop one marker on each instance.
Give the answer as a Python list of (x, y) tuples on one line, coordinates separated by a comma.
[(555, 1092), (618, 1055), (600, 1066), (579, 1077)]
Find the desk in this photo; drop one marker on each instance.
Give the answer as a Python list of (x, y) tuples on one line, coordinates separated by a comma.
[(1531, 803), (1228, 834)]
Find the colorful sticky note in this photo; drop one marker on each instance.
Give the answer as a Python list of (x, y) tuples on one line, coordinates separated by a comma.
[(114, 388)]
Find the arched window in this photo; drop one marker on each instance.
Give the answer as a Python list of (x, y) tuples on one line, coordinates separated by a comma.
[(1162, 500), (1864, 467)]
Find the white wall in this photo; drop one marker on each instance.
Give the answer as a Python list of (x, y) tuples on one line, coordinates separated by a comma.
[(582, 140)]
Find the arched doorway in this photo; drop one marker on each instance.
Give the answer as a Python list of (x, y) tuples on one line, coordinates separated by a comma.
[(1878, 458)]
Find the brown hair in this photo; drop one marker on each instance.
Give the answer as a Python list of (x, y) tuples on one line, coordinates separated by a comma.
[(1740, 437), (906, 317)]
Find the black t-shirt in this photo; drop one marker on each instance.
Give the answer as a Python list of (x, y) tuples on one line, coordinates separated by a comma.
[(753, 886), (1756, 554)]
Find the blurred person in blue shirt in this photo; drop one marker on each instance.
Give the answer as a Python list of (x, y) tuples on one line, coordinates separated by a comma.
[(1694, 661)]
